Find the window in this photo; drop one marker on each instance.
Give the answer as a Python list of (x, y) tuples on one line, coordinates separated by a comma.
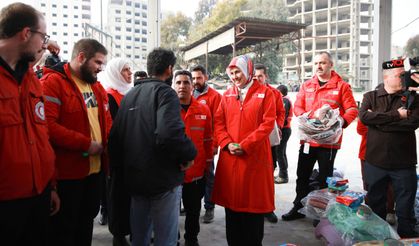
[(118, 37), (137, 22), (144, 40), (118, 46), (76, 16), (117, 28), (137, 30), (65, 15), (54, 33), (76, 25), (137, 39), (118, 55), (85, 7), (128, 38), (129, 3), (54, 24), (137, 57), (54, 5), (65, 24), (65, 6), (137, 5), (128, 56), (65, 34), (144, 23), (129, 47), (65, 42), (118, 19), (54, 15), (117, 11), (65, 52), (129, 20), (85, 16), (144, 14), (144, 31), (76, 34), (129, 29), (144, 7), (137, 14), (129, 12), (43, 5), (76, 7)]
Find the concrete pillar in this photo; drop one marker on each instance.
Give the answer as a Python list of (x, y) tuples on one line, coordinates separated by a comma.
[(153, 25), (381, 38)]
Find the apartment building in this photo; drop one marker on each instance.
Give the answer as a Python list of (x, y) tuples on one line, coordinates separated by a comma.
[(341, 27), (127, 24), (65, 21)]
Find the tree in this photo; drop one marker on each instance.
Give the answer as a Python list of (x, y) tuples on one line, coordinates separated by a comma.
[(204, 10), (174, 30), (412, 46)]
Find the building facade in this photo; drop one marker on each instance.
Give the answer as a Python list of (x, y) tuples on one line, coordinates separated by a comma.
[(127, 24), (341, 27)]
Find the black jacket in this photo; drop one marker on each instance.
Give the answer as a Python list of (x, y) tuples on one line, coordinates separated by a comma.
[(148, 138), (391, 141)]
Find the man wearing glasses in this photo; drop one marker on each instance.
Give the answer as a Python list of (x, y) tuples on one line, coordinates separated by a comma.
[(391, 146), (27, 195), (79, 121)]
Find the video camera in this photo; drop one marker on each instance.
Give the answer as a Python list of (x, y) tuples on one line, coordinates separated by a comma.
[(52, 60), (411, 66)]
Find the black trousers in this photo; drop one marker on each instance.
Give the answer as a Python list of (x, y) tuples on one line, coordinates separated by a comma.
[(325, 159), (404, 183), (25, 221), (274, 156), (192, 194), (244, 229), (80, 199), (282, 153)]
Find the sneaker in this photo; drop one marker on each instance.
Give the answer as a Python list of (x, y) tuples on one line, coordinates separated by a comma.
[(271, 217), (208, 216), (103, 218), (279, 180), (293, 214), (391, 218)]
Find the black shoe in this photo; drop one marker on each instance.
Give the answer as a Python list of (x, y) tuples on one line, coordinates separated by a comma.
[(293, 214), (208, 216), (103, 218), (279, 180), (120, 241), (191, 243), (271, 217)]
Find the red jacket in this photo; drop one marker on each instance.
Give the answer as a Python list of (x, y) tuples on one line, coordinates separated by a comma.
[(211, 98), (26, 156), (336, 92), (116, 95), (68, 122), (363, 131), (245, 183), (198, 127), (280, 110)]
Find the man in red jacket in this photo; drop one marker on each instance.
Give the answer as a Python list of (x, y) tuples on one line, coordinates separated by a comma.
[(326, 87), (79, 121), (204, 94), (26, 157), (198, 127)]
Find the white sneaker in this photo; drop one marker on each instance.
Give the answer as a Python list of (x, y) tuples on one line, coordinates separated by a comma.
[(391, 218)]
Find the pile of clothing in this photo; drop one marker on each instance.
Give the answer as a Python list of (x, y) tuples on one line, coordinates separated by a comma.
[(325, 127)]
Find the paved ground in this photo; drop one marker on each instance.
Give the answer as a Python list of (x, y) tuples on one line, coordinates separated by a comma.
[(299, 232)]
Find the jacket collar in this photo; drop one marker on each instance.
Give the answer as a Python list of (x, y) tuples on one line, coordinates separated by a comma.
[(332, 83)]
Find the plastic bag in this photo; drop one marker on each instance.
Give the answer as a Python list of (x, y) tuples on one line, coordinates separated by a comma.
[(351, 199), (360, 225), (325, 129), (315, 203)]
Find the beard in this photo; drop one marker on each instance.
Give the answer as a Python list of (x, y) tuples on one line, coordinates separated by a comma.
[(169, 80), (86, 74), (27, 57)]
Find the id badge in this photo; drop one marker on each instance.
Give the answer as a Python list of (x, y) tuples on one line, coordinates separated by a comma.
[(306, 148)]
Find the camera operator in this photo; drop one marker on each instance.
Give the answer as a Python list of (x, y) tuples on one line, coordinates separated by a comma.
[(391, 146)]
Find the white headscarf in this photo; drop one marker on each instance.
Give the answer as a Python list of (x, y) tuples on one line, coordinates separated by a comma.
[(112, 77)]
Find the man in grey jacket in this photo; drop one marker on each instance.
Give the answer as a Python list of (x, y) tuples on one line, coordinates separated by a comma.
[(148, 142)]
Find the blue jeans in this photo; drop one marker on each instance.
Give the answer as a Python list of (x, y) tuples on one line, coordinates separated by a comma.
[(209, 178), (159, 213)]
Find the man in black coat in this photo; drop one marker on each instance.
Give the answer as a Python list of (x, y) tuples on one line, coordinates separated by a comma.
[(148, 139)]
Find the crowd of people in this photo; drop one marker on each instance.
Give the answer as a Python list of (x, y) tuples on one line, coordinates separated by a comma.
[(134, 149)]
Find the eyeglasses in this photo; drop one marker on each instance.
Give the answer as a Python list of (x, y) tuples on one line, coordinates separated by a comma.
[(46, 36)]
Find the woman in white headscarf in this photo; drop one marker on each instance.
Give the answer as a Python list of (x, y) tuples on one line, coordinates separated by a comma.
[(117, 80)]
